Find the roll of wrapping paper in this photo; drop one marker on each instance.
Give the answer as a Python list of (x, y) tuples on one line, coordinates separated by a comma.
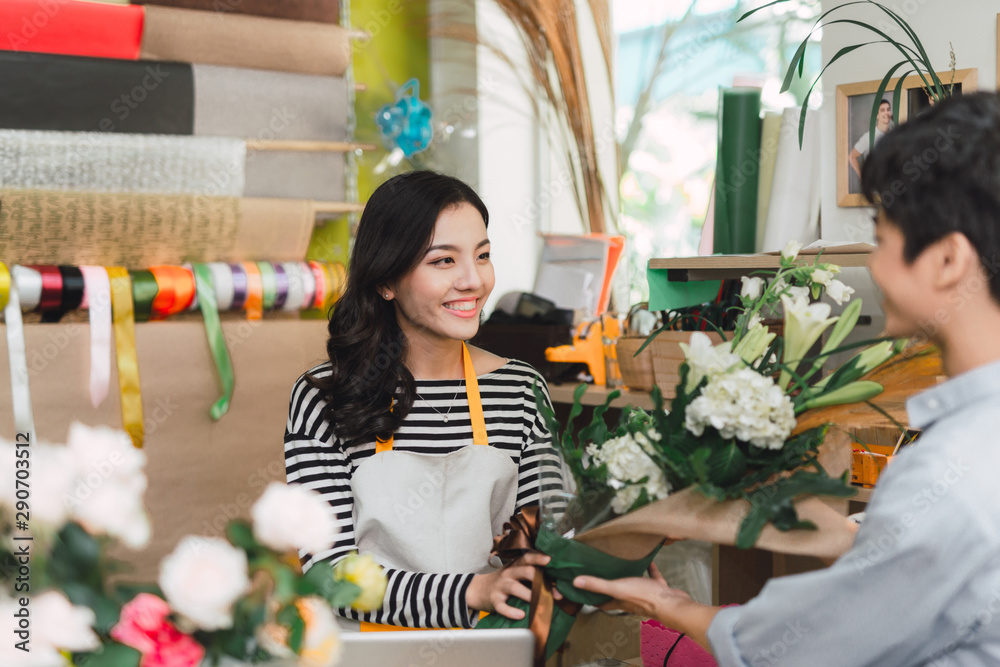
[(178, 35), (87, 228), (295, 175), (793, 211), (737, 170), (46, 92), (238, 102), (231, 40), (323, 11), (770, 133), (72, 28), (110, 162)]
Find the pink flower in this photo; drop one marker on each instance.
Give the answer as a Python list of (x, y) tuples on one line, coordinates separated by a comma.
[(144, 626)]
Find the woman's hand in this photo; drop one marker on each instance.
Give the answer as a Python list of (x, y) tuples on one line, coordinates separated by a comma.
[(489, 592), (653, 598), (641, 596)]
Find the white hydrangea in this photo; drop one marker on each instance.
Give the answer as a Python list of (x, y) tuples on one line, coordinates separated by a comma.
[(628, 460), (746, 405)]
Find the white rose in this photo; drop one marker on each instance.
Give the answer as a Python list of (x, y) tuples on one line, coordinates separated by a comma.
[(61, 624), (791, 249), (53, 478), (202, 579), (839, 292), (293, 517), (108, 453), (752, 287), (115, 509)]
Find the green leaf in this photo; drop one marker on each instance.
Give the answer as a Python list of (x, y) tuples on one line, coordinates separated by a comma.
[(726, 465), (111, 654), (805, 103), (76, 555), (315, 579), (240, 534), (699, 463), (754, 11), (341, 594), (284, 581)]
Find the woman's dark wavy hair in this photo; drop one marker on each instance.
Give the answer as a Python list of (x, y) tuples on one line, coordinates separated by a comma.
[(366, 345), (939, 173)]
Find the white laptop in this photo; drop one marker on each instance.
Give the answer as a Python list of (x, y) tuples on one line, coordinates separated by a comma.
[(440, 648)]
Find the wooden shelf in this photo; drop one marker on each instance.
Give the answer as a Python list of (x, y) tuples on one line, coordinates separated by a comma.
[(596, 395), (864, 495), (721, 267)]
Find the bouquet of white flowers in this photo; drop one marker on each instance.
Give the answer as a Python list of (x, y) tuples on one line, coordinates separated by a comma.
[(244, 597)]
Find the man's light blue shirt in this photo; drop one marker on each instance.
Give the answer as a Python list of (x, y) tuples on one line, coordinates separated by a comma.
[(921, 585)]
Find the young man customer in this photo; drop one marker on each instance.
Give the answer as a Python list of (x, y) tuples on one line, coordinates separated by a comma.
[(921, 585)]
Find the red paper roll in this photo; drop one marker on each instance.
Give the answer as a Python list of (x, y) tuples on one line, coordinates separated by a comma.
[(72, 28)]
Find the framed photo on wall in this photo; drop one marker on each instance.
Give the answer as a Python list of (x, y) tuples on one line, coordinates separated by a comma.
[(854, 108)]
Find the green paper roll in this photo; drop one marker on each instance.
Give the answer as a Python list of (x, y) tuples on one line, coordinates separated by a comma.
[(737, 171)]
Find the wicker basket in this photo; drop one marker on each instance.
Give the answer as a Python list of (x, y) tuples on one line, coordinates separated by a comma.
[(637, 372), (668, 357)]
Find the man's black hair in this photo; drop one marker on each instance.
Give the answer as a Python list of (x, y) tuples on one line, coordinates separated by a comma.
[(940, 173)]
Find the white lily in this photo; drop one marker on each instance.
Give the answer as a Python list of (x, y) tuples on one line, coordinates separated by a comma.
[(754, 343), (804, 324), (705, 359)]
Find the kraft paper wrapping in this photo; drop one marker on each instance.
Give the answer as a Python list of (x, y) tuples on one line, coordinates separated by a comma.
[(296, 175), (59, 227), (323, 11), (71, 94), (793, 211), (258, 104), (688, 514), (232, 40), (200, 472), (108, 162), (736, 173)]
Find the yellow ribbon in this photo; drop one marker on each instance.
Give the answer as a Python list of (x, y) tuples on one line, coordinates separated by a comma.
[(123, 317), (4, 285)]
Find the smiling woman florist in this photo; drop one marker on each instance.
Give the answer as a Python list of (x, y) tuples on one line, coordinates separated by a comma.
[(921, 585), (421, 444)]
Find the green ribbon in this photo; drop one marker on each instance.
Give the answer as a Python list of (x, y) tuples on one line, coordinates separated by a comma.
[(570, 559), (144, 290), (269, 280), (216, 340)]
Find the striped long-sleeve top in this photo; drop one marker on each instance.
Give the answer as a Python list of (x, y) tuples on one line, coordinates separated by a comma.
[(315, 458)]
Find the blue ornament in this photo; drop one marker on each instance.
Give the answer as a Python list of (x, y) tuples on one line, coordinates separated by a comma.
[(406, 123)]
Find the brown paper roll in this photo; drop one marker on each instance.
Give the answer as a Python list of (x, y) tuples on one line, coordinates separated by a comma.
[(322, 11), (138, 230), (232, 40)]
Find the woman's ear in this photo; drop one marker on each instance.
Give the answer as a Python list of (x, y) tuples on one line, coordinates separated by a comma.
[(385, 292)]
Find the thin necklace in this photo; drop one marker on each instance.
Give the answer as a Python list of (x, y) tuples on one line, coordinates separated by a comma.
[(444, 415)]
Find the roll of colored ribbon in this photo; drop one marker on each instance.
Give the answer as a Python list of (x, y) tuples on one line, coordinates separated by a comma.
[(122, 310), (255, 292), (4, 286), (269, 284), (296, 286), (281, 280), (175, 291), (51, 295), (239, 286), (222, 280), (97, 300), (322, 284), (144, 289), (29, 286)]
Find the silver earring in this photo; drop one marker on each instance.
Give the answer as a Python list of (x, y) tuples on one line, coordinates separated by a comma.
[(387, 295)]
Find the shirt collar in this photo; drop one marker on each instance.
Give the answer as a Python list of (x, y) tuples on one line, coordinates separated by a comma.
[(958, 393)]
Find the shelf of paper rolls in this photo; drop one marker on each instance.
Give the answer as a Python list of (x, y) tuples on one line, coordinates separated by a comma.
[(596, 395), (159, 292)]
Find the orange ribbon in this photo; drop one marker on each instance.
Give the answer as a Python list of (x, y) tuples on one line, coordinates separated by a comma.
[(322, 283), (175, 291), (255, 292)]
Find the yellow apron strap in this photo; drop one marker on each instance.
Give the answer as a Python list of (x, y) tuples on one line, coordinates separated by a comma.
[(475, 402), (475, 407)]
